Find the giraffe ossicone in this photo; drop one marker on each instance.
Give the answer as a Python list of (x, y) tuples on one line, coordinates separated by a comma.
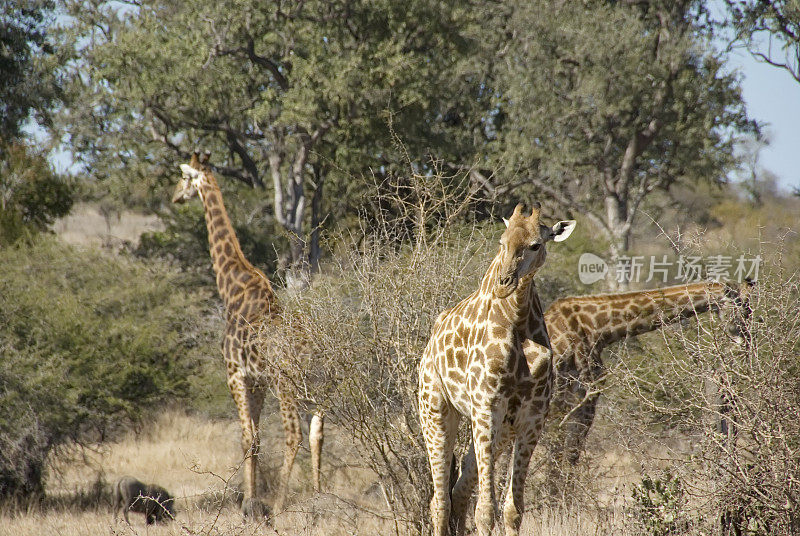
[(489, 360), (251, 307)]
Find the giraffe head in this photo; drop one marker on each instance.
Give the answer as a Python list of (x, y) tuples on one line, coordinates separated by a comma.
[(735, 307), (522, 247), (193, 174)]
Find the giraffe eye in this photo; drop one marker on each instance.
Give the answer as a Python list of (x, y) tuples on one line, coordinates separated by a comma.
[(536, 247)]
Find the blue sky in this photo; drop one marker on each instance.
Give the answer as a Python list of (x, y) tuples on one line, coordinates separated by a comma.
[(773, 98)]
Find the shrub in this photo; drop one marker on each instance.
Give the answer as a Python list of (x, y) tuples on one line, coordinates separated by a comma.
[(366, 321), (659, 506), (737, 404), (88, 342)]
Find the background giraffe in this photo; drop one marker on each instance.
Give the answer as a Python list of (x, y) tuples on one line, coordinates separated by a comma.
[(250, 306), (581, 327), (489, 359)]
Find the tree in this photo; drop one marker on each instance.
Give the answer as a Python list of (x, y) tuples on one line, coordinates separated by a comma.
[(26, 84), (599, 104), (779, 20), (288, 95), (87, 343), (32, 196)]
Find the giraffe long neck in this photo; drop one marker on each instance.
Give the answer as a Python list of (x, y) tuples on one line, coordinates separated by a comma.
[(521, 308), (234, 273), (635, 313)]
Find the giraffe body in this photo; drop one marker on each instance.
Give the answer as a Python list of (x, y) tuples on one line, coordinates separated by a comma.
[(251, 308), (581, 327), (489, 360)]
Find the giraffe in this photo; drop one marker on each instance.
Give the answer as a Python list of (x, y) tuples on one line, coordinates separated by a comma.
[(489, 360), (250, 306), (581, 327)]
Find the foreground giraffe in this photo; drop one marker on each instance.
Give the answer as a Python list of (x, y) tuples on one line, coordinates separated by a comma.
[(581, 327), (489, 359), (250, 306)]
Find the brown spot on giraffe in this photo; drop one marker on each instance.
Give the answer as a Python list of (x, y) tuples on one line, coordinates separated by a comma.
[(492, 331), (250, 303)]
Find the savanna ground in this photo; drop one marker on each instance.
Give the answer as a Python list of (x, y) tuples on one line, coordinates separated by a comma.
[(197, 458)]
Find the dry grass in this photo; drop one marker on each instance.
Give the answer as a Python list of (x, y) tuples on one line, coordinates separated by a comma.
[(193, 457), (87, 226)]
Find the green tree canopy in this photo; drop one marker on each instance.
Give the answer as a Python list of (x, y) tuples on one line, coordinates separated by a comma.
[(32, 196), (287, 96), (87, 342), (770, 30), (599, 103), (26, 83)]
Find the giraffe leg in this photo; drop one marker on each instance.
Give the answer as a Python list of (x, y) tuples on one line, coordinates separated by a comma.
[(463, 490), (485, 428), (523, 450), (315, 440), (439, 422), (578, 428), (293, 435), (250, 403)]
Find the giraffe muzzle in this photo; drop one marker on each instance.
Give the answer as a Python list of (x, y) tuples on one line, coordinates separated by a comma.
[(506, 285)]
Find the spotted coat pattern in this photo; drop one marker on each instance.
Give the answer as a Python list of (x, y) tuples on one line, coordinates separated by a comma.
[(250, 308), (489, 360), (581, 327)]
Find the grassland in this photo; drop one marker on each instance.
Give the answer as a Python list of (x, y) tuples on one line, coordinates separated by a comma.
[(197, 460)]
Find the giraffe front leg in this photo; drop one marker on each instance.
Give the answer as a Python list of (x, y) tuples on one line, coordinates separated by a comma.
[(578, 428), (315, 440), (293, 435), (463, 490), (524, 445), (486, 424), (439, 421)]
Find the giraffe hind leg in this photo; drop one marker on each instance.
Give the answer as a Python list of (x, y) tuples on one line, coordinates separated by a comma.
[(293, 435), (463, 490), (250, 406), (315, 440)]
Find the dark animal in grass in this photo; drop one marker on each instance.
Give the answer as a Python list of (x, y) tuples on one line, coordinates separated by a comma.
[(153, 501)]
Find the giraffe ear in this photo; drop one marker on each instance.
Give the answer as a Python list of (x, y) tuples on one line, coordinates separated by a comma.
[(189, 172), (562, 230), (505, 221)]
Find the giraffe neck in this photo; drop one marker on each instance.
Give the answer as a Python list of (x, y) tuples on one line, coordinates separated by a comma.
[(233, 271), (520, 309), (635, 313)]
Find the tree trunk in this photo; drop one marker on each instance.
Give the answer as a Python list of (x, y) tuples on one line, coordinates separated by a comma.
[(616, 219), (314, 251)]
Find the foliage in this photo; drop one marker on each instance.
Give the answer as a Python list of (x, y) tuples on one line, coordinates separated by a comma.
[(32, 196), (292, 100), (88, 342), (26, 82), (600, 104), (775, 21), (659, 506)]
